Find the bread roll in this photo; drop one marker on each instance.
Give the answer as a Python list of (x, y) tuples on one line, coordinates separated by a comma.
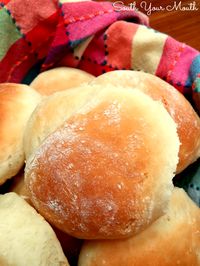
[(188, 122), (107, 171), (58, 79), (52, 112), (25, 237), (174, 239), (17, 102), (70, 245)]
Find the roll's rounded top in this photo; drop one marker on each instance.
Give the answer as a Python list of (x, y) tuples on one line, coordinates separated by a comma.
[(182, 112), (109, 161)]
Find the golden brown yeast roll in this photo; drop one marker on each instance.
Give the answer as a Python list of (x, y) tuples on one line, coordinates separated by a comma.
[(17, 102), (188, 122), (107, 171), (25, 237), (52, 112), (174, 239), (59, 79)]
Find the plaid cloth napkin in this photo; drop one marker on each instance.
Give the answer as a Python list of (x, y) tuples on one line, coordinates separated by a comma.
[(36, 35)]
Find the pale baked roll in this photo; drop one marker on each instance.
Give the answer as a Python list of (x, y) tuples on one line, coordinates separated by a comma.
[(52, 112), (172, 240), (17, 102), (188, 122), (25, 237), (58, 79), (107, 171), (70, 245)]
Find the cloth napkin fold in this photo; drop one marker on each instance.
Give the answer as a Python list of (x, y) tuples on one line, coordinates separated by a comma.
[(92, 36), (36, 35)]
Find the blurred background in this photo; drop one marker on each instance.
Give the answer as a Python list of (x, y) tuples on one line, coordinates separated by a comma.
[(182, 25)]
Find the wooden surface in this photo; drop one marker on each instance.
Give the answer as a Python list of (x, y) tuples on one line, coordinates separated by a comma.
[(184, 26)]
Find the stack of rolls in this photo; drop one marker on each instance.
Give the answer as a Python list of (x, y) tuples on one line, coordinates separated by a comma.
[(101, 154)]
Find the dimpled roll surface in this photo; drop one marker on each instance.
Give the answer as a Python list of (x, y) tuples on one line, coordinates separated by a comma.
[(107, 171)]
